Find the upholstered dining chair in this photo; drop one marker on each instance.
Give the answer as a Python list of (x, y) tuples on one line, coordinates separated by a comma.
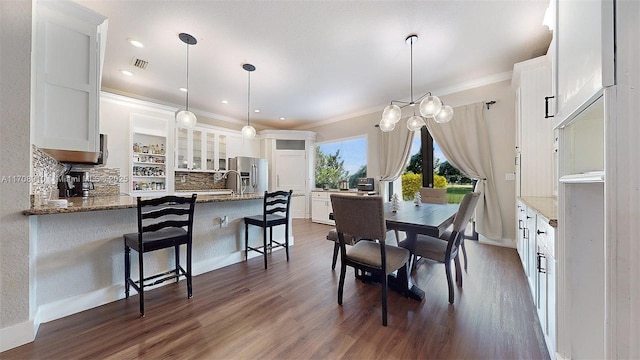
[(276, 211), (163, 222), (363, 217), (436, 249)]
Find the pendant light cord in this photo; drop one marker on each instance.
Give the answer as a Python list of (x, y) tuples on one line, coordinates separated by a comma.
[(188, 90), (248, 97), (411, 71)]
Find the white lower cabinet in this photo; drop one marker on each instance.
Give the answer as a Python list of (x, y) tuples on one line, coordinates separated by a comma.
[(536, 244), (321, 205)]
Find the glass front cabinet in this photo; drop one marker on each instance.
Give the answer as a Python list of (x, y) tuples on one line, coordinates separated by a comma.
[(201, 149)]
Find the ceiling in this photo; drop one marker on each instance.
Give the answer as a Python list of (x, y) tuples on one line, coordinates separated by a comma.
[(316, 61)]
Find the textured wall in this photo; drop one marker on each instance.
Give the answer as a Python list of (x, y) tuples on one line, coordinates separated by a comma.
[(80, 253), (15, 95)]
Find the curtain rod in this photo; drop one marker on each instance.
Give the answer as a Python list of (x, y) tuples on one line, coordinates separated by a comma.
[(489, 103)]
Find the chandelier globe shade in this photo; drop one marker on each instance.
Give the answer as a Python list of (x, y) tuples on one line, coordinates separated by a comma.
[(392, 113), (248, 131), (430, 106), (186, 118), (444, 115), (386, 126), (415, 123)]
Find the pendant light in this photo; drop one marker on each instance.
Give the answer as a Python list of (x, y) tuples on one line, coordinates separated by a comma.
[(248, 131), (430, 106), (186, 118)]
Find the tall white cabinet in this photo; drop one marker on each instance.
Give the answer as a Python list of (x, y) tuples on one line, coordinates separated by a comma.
[(599, 169), (68, 51)]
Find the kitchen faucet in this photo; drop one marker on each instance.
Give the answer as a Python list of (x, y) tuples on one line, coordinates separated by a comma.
[(238, 184)]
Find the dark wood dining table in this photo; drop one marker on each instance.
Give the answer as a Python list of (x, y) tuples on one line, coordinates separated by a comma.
[(427, 219)]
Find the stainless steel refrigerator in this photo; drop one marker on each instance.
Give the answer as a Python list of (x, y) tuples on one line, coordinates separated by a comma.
[(254, 173)]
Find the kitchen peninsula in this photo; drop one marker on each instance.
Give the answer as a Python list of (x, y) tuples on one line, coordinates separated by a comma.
[(77, 252)]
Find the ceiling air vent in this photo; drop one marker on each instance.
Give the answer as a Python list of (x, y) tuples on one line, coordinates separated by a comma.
[(139, 63)]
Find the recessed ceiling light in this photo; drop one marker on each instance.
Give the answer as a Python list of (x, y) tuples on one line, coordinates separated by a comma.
[(126, 72), (136, 43), (224, 101), (281, 118), (256, 111), (183, 89)]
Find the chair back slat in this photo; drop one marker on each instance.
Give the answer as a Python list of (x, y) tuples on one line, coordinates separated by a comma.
[(360, 216), (165, 224), (273, 202), (170, 211), (154, 214)]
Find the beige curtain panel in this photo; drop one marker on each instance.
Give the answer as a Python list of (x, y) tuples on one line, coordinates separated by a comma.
[(464, 141), (394, 151)]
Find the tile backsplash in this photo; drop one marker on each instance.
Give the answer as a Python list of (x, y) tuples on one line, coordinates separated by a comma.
[(197, 181), (47, 172)]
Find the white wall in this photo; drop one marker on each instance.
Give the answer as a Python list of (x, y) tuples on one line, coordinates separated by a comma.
[(501, 123), (16, 279)]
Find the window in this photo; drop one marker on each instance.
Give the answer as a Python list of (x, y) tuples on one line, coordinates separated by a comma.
[(345, 159)]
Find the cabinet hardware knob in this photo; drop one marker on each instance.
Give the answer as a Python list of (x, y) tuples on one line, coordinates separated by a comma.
[(529, 217), (540, 232), (546, 107)]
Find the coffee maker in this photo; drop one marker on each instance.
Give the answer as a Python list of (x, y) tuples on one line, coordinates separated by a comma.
[(75, 183)]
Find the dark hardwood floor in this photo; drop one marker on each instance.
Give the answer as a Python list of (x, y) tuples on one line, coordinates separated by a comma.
[(290, 311)]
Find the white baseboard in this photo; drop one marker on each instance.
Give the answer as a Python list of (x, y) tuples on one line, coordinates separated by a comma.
[(16, 335)]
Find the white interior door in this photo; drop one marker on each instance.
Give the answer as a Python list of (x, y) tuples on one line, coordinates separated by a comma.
[(291, 170)]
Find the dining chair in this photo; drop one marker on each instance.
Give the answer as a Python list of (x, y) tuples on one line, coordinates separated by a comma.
[(164, 222), (363, 217), (436, 249), (433, 195), (276, 211), (333, 236)]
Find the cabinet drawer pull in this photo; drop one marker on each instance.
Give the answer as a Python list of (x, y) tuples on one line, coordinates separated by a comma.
[(546, 106), (540, 269), (529, 217), (540, 232)]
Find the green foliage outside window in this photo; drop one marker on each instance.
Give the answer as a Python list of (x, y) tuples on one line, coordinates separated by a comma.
[(411, 184), (329, 169)]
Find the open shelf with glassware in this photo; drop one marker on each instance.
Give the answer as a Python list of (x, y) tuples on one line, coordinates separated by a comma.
[(148, 164)]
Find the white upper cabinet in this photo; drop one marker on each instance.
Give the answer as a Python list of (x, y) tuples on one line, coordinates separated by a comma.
[(67, 60), (204, 149), (534, 133), (584, 52)]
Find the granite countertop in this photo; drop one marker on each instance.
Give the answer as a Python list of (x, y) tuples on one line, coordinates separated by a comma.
[(98, 203), (547, 206)]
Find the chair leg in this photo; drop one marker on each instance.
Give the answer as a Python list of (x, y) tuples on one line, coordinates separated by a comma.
[(270, 239), (246, 241), (447, 267), (336, 248), (141, 275), (127, 269), (177, 254), (264, 242), (384, 299), (286, 239), (189, 277), (464, 253), (343, 271), (456, 260)]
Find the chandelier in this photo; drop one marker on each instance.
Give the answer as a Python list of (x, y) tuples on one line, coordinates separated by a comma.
[(430, 105), (186, 118)]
